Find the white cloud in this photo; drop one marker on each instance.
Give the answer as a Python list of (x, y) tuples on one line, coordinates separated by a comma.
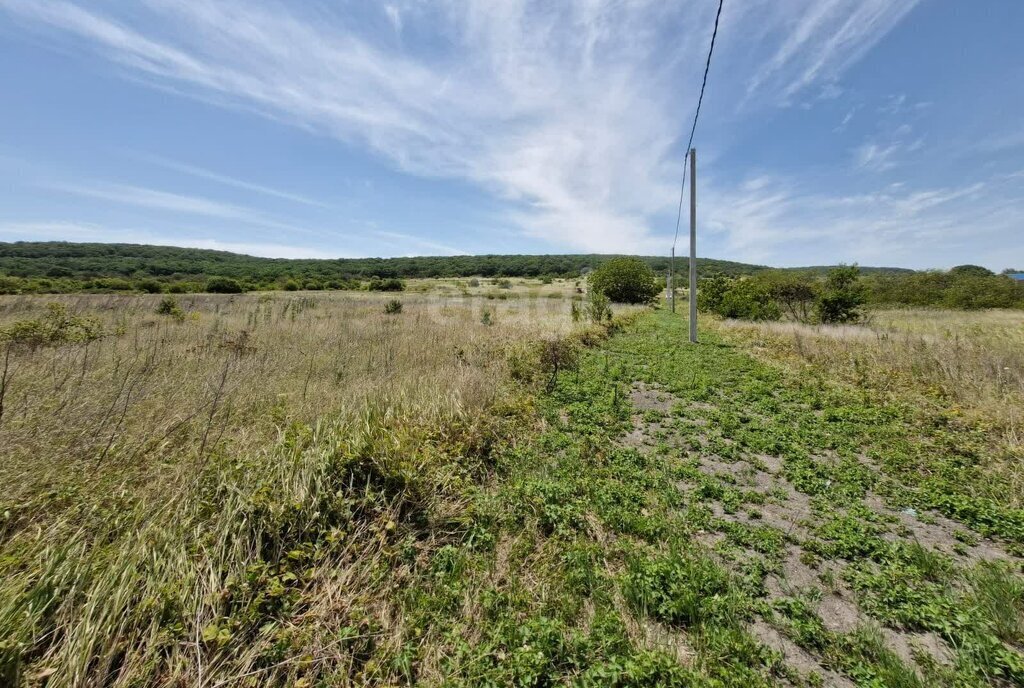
[(394, 16), (203, 173), (872, 156), (822, 39), (773, 221), (158, 200), (571, 112)]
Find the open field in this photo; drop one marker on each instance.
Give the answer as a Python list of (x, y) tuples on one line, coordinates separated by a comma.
[(299, 489)]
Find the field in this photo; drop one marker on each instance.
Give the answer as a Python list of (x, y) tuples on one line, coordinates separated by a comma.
[(301, 489)]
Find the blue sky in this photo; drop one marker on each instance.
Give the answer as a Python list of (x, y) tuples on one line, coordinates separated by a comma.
[(886, 132)]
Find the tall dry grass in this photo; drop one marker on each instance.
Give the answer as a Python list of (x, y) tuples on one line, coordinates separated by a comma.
[(216, 499), (968, 364)]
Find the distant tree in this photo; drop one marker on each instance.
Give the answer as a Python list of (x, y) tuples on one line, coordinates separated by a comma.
[(711, 291), (797, 294), (391, 284), (842, 296), (748, 299), (972, 270), (223, 285), (625, 280), (151, 286)]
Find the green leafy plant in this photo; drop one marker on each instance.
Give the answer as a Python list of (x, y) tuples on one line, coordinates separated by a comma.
[(170, 306), (842, 296), (223, 285), (625, 280)]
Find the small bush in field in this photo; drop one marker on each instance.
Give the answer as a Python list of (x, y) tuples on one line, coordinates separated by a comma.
[(377, 284), (151, 286), (170, 306), (575, 311), (393, 307), (223, 285), (625, 280), (58, 326), (748, 299), (487, 318), (556, 355), (711, 291), (842, 296), (599, 307)]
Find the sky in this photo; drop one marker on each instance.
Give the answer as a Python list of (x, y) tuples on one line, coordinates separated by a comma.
[(882, 132)]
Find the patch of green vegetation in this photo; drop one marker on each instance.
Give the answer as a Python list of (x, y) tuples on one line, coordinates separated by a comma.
[(588, 539)]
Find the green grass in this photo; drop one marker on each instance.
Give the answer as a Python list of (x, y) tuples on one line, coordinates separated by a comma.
[(585, 545), (560, 555)]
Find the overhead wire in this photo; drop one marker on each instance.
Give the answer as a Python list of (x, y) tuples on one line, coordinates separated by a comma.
[(689, 144)]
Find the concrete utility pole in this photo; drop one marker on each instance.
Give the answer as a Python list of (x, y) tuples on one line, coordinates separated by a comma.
[(693, 245), (671, 272)]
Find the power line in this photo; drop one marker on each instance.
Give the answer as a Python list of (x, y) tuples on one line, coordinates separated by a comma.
[(689, 145)]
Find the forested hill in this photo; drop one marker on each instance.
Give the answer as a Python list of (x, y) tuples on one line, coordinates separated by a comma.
[(92, 260)]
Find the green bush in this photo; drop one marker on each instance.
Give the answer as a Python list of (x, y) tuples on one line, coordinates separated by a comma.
[(796, 294), (170, 306), (625, 280), (151, 286), (392, 284), (58, 326), (393, 307), (711, 291), (842, 297), (748, 299), (598, 307), (223, 285)]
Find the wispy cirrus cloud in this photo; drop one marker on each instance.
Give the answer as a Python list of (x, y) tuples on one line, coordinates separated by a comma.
[(176, 203), (772, 219), (203, 173), (570, 113), (821, 40)]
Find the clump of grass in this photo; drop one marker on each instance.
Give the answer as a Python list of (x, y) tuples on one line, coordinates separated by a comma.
[(393, 307)]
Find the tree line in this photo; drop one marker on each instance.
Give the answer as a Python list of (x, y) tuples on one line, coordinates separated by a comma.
[(842, 293), (65, 263)]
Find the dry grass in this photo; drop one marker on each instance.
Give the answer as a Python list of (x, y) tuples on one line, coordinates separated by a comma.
[(170, 487), (968, 364)]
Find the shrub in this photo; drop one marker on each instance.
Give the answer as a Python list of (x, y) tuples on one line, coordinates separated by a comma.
[(474, 282), (598, 307), (575, 311), (169, 306), (487, 318), (392, 284), (393, 307), (842, 297), (625, 280), (223, 285), (711, 291), (151, 286), (58, 326), (556, 355), (291, 285), (797, 295), (748, 299)]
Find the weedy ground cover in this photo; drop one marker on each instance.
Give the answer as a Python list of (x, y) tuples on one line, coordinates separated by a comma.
[(436, 505)]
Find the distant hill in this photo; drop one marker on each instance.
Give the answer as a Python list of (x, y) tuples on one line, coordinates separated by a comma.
[(137, 261)]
